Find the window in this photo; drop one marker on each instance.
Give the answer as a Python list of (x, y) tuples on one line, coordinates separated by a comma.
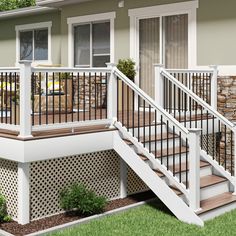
[(92, 44), (34, 45), (33, 42)]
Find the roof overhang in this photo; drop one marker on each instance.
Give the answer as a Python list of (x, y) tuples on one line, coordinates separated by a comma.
[(58, 3), (25, 12)]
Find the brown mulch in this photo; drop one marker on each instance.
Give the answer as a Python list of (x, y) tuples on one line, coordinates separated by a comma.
[(49, 222)]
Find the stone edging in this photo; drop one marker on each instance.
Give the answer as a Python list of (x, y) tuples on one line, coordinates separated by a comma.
[(86, 220)]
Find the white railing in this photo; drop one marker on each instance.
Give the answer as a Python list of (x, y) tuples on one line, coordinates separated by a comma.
[(219, 149), (202, 82), (191, 188), (9, 87)]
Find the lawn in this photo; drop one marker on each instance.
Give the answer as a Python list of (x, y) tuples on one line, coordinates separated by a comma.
[(152, 219)]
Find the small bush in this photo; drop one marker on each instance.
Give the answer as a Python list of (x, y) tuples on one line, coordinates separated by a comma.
[(3, 210), (127, 67), (78, 198)]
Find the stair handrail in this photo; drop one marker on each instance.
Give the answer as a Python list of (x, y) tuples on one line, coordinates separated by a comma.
[(201, 102), (149, 100), (191, 134)]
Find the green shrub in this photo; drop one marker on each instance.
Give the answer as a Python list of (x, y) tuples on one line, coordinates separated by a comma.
[(78, 198), (127, 67), (3, 210)]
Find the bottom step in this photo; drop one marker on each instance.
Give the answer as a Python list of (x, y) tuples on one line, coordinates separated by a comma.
[(217, 205)]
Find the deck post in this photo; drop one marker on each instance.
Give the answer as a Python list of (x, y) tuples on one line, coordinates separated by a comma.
[(194, 169), (159, 87), (25, 99), (123, 179), (112, 95), (214, 87), (234, 132), (23, 194)]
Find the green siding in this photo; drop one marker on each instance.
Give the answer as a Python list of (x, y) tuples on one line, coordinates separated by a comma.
[(216, 29), (121, 21), (8, 36)]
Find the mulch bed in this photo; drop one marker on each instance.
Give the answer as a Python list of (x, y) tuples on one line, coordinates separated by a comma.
[(49, 222)]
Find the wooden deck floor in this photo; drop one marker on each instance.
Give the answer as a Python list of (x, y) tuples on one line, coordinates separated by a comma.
[(127, 118)]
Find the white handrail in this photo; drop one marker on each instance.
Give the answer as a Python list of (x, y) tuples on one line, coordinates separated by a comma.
[(197, 99), (190, 71), (9, 69), (149, 100), (71, 70)]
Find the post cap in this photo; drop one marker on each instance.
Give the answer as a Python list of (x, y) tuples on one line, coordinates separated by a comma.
[(25, 62), (158, 65), (110, 64), (195, 130), (214, 67)]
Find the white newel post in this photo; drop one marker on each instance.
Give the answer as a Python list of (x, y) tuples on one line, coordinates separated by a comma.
[(112, 95), (25, 99), (214, 87), (234, 193), (159, 87), (194, 169), (23, 194)]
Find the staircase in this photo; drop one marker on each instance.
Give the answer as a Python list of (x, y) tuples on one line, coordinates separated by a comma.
[(165, 147)]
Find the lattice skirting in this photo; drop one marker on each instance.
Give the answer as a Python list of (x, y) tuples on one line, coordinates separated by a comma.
[(9, 185), (134, 183), (100, 171)]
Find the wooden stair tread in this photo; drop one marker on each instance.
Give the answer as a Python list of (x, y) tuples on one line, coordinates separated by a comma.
[(176, 190), (183, 168), (209, 180), (193, 117), (158, 137), (142, 156), (216, 202), (153, 138), (170, 151)]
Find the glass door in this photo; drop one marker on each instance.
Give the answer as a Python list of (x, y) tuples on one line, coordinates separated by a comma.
[(149, 52), (161, 40)]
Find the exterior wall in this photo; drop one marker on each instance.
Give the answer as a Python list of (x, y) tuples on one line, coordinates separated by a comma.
[(226, 106), (215, 21), (9, 185), (99, 171), (215, 24), (8, 36)]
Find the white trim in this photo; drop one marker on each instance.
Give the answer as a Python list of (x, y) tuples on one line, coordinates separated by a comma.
[(224, 70), (25, 11), (40, 25), (72, 21), (160, 11), (23, 193)]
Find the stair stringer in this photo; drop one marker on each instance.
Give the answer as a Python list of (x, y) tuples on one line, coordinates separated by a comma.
[(174, 203)]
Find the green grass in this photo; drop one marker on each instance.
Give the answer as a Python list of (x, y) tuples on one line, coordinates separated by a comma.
[(152, 219)]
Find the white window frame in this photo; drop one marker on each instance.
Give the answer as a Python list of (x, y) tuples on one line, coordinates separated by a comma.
[(189, 8), (88, 19), (29, 27)]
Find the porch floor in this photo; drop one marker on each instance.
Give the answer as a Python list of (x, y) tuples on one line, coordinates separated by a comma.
[(129, 119)]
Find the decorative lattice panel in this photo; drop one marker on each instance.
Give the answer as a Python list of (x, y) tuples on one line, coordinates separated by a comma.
[(134, 183), (99, 171), (9, 185), (209, 140)]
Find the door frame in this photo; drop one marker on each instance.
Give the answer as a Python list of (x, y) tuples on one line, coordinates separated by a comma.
[(189, 8)]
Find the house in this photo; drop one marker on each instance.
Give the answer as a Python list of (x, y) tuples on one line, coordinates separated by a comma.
[(66, 115)]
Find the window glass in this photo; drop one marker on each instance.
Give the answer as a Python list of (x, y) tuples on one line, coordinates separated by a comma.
[(82, 45), (41, 44), (92, 44), (26, 45), (101, 38), (100, 61)]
